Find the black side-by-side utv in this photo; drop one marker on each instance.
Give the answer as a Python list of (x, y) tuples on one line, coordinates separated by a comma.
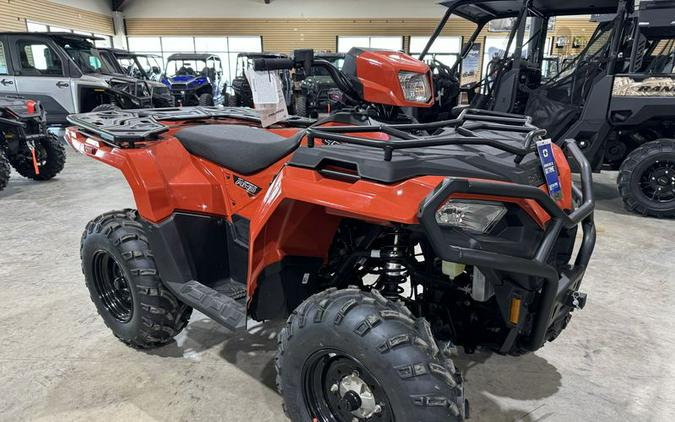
[(25, 143), (616, 98)]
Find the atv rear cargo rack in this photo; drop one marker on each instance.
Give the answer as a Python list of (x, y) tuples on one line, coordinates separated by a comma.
[(123, 128), (465, 124)]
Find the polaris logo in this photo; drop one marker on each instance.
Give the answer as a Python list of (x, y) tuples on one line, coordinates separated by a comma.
[(249, 187)]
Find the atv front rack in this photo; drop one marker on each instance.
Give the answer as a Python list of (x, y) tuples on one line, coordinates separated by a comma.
[(465, 124), (124, 128)]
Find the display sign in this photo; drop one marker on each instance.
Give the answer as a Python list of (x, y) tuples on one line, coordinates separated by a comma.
[(471, 65), (545, 151)]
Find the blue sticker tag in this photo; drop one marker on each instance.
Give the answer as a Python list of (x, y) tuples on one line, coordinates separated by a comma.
[(545, 151)]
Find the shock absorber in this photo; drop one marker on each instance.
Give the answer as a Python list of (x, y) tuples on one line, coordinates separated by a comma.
[(394, 273)]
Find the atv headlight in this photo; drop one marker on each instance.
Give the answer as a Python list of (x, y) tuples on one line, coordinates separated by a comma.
[(416, 87), (472, 216)]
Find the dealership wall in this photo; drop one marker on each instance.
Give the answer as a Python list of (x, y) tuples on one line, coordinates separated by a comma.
[(95, 18), (288, 24), (284, 35), (283, 24)]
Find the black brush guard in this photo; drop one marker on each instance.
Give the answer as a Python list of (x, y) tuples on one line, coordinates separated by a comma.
[(557, 285)]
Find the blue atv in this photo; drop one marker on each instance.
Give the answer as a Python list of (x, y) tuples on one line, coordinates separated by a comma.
[(194, 79)]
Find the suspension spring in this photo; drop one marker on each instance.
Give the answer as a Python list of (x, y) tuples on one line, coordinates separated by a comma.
[(394, 272)]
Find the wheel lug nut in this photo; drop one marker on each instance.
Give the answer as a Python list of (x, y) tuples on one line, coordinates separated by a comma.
[(334, 388), (378, 409)]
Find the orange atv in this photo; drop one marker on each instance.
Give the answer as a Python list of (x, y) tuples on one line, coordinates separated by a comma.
[(387, 244)]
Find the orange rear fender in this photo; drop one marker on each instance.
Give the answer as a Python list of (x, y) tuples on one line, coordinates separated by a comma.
[(163, 176)]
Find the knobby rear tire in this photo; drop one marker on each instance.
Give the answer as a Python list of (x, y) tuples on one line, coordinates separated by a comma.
[(157, 316), (4, 170)]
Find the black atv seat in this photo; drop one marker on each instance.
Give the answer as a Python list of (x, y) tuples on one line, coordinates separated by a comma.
[(243, 149)]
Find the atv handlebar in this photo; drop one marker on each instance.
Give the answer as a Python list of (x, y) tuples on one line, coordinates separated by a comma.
[(303, 61), (273, 64)]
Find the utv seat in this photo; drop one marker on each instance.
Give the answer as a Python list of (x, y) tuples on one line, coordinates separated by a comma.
[(243, 149)]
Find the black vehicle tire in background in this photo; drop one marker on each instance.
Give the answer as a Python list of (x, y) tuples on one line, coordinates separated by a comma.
[(159, 102), (106, 107), (206, 100), (300, 105), (4, 170), (647, 179), (51, 154), (233, 100), (339, 340), (124, 283)]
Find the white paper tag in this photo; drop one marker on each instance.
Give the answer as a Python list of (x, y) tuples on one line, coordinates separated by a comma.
[(270, 112), (263, 86)]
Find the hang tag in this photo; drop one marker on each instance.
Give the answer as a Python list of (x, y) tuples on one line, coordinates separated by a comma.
[(263, 86), (271, 106), (545, 151)]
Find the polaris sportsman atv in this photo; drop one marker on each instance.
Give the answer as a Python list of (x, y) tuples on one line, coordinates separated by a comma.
[(25, 142), (194, 78), (615, 98), (386, 244)]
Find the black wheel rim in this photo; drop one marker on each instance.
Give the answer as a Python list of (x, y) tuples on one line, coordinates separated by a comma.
[(112, 286), (657, 181), (329, 368)]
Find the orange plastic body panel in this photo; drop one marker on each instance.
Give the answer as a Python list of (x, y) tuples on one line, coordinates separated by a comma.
[(378, 72), (297, 194), (297, 210), (565, 178)]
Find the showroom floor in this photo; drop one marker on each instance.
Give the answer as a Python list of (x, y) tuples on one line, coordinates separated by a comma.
[(59, 362)]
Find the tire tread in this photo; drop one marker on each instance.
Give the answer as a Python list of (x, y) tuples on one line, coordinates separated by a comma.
[(163, 316)]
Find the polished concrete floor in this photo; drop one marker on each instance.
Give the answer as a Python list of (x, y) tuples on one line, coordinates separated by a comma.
[(58, 361)]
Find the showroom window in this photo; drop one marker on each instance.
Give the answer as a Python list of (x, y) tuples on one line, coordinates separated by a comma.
[(345, 43), (105, 42), (226, 48), (444, 49)]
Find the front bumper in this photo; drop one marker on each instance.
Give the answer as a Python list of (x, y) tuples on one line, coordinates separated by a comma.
[(184, 97), (557, 286)]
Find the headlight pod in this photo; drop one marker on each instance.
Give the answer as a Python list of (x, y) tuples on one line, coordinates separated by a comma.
[(472, 216), (416, 87)]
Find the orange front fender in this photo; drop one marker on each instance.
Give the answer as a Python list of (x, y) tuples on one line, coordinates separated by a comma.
[(302, 210)]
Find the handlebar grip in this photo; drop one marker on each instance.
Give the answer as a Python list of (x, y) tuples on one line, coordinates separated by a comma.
[(272, 64)]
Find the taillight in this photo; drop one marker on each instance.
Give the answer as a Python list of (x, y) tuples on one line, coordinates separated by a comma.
[(30, 106)]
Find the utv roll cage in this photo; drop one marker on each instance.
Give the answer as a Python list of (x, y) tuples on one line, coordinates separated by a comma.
[(481, 12), (119, 53), (205, 57)]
